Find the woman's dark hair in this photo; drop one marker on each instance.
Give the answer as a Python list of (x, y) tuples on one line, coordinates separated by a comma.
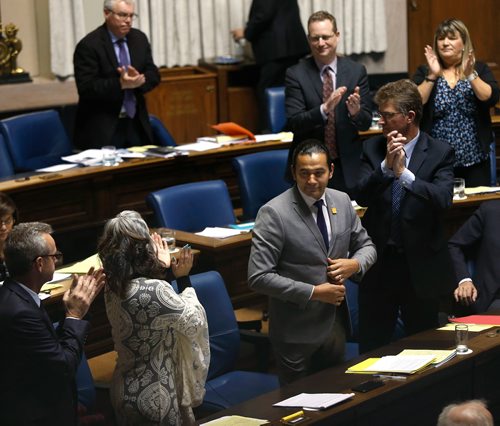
[(7, 207), (127, 252)]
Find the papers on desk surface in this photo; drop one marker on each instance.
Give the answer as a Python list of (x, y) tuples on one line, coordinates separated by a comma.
[(315, 401), (401, 364), (198, 146), (216, 232), (235, 421), (83, 266), (481, 190), (474, 328), (440, 356), (57, 168), (243, 227)]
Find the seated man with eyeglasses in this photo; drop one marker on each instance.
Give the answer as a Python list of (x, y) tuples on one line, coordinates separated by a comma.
[(327, 98), (37, 362), (114, 68)]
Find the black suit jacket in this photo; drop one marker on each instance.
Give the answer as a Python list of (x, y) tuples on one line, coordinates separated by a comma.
[(98, 83), (421, 211), (304, 96), (478, 239), (37, 362), (275, 30)]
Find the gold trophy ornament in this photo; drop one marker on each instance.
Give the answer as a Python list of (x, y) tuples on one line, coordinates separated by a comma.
[(10, 46)]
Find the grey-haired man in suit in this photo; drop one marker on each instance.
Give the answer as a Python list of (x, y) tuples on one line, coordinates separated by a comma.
[(302, 253)]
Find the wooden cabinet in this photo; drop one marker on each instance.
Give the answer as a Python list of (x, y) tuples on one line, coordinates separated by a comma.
[(236, 99), (186, 102)]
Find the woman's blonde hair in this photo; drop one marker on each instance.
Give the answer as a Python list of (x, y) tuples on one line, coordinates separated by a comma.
[(454, 27)]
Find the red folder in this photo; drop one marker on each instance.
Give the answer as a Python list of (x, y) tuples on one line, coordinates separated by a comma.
[(233, 129), (479, 319)]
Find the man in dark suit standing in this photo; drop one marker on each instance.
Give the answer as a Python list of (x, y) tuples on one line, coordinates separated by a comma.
[(327, 98), (478, 239), (406, 181), (37, 362), (278, 42), (113, 70)]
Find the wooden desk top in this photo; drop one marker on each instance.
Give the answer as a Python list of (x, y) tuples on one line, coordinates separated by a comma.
[(135, 164), (396, 400)]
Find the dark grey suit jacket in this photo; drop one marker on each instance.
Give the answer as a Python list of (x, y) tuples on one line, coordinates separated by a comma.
[(421, 211), (98, 83), (289, 257), (304, 96), (37, 363), (275, 30), (478, 239)]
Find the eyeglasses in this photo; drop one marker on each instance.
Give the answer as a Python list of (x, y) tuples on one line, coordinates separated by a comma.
[(388, 115), (7, 222), (57, 256), (316, 39), (123, 16)]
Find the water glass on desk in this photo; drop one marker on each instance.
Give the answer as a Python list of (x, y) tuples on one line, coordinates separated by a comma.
[(459, 189), (109, 155), (461, 338), (168, 235)]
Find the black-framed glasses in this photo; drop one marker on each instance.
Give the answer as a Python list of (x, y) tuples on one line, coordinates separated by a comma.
[(122, 16), (388, 115), (316, 39), (57, 256)]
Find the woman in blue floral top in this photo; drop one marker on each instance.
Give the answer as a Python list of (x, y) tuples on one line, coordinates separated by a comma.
[(457, 93)]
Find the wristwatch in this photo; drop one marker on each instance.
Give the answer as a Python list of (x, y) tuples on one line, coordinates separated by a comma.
[(473, 76)]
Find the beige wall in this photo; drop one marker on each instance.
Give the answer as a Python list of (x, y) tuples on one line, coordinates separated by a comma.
[(32, 18)]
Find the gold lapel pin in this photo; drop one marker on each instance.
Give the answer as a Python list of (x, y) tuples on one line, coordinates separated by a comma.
[(334, 210)]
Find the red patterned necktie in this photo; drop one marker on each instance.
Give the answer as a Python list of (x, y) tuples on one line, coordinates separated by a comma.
[(330, 137)]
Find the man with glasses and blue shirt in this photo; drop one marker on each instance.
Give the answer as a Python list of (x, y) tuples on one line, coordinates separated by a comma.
[(114, 68), (406, 181), (37, 362), (327, 98)]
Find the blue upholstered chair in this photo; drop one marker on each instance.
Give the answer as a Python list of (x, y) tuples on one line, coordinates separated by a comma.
[(275, 97), (6, 168), (225, 386), (493, 163), (161, 135), (261, 177), (35, 140), (192, 207)]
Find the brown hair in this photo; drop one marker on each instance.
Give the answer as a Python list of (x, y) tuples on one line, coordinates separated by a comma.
[(322, 15), (404, 95)]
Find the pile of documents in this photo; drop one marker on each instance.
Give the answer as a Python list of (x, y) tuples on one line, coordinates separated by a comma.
[(409, 361)]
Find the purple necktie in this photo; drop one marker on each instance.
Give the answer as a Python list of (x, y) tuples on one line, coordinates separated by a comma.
[(128, 97), (330, 132), (320, 220)]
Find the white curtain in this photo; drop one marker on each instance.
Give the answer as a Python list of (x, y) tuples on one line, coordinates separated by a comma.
[(183, 31), (67, 26)]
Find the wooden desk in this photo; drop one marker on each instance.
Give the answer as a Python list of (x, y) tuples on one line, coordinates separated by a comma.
[(415, 401), (76, 202)]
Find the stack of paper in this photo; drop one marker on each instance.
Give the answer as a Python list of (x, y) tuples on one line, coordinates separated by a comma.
[(392, 364), (317, 401), (440, 356), (216, 232)]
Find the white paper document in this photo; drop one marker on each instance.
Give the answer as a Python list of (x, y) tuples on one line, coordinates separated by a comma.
[(198, 146), (401, 363), (317, 401), (57, 168), (216, 232)]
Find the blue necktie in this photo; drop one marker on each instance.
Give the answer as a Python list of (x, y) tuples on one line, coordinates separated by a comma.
[(397, 193), (320, 220), (128, 97)]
